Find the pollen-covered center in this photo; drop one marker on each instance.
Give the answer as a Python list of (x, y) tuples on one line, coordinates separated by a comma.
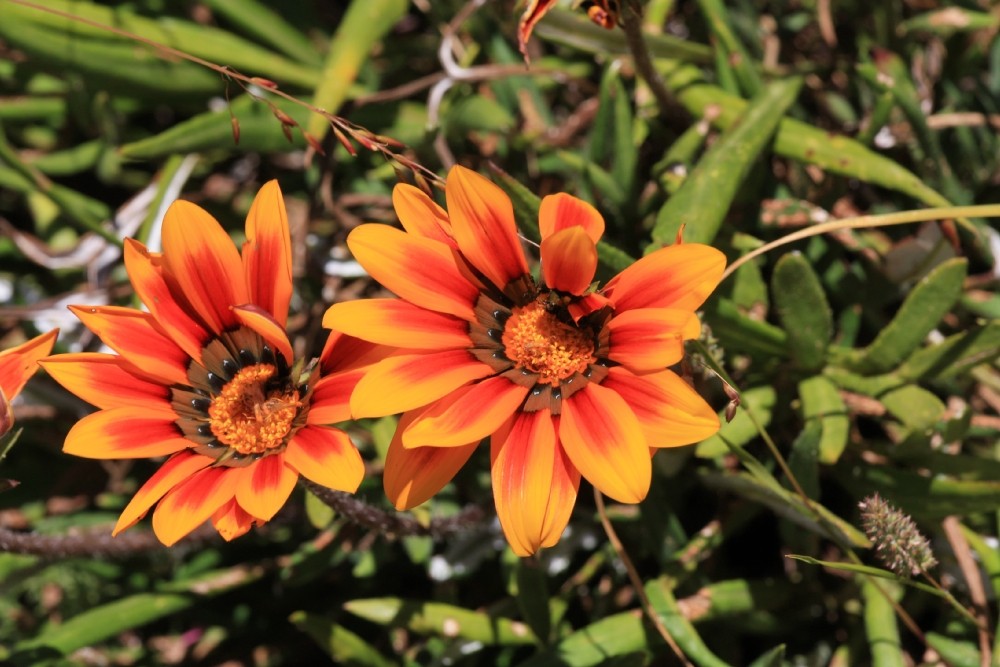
[(536, 340), (248, 416)]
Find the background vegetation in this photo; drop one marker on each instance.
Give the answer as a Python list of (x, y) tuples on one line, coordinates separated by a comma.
[(867, 355)]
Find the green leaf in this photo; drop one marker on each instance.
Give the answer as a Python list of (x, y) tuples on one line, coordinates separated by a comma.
[(929, 498), (268, 26), (612, 636), (342, 645), (442, 620), (922, 310), (476, 113), (701, 203), (880, 624), (822, 404), (533, 598), (803, 310), (364, 24), (954, 652), (742, 333), (741, 430), (661, 599), (868, 570), (773, 658), (955, 355)]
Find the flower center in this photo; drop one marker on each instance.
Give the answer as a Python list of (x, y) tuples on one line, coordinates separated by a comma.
[(536, 340), (248, 416)]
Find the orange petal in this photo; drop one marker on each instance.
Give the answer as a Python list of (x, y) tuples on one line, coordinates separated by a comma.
[(533, 13), (259, 320), (19, 363), (678, 276), (648, 339), (145, 271), (103, 380), (264, 486), (191, 503), (424, 272), (267, 253), (569, 260), (326, 456), (331, 398), (413, 476), (231, 521), (132, 432), (397, 323), (342, 353), (408, 381), (603, 439), (482, 220), (201, 258), (670, 412), (534, 483), (562, 211), (177, 468), (136, 336), (421, 215), (466, 415)]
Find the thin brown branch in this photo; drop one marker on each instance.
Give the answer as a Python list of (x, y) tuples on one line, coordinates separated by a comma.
[(94, 543), (632, 26)]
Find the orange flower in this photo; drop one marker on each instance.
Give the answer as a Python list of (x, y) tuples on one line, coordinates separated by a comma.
[(605, 13), (17, 365), (207, 377), (566, 381)]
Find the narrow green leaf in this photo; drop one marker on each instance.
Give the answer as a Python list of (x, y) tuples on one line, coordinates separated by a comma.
[(735, 56), (773, 658), (701, 204), (914, 406), (616, 635), (954, 652), (268, 26), (822, 403), (661, 599), (742, 333), (868, 570), (929, 498), (442, 620), (803, 460), (365, 23), (929, 301), (880, 624), (342, 645), (740, 430), (533, 598), (803, 310), (954, 356)]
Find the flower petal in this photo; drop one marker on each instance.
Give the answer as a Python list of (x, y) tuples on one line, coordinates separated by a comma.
[(413, 476), (420, 215), (534, 482), (267, 253), (132, 432), (603, 439), (406, 381), (231, 521), (191, 503), (177, 468), (562, 211), (199, 255), (482, 220), (103, 380), (326, 456), (467, 414), (264, 486), (331, 398), (145, 271), (398, 323), (342, 353), (259, 320), (678, 276), (136, 336), (19, 363), (669, 411), (569, 260), (424, 272), (533, 13), (648, 339)]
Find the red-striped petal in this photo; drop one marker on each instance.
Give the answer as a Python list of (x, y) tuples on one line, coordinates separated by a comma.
[(105, 381), (199, 255), (326, 456), (343, 353), (569, 260), (264, 486), (649, 339), (136, 336), (420, 215), (413, 476), (267, 253), (177, 469), (482, 220), (331, 398), (232, 521), (534, 482), (133, 432), (424, 272), (562, 211), (603, 439), (398, 323), (468, 414), (259, 320), (408, 381), (193, 502), (19, 363), (678, 276)]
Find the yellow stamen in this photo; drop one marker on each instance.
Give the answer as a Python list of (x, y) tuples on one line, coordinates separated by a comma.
[(535, 339), (248, 418)]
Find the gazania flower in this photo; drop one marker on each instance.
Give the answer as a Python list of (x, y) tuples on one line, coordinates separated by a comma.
[(605, 13), (565, 380), (207, 377), (17, 365)]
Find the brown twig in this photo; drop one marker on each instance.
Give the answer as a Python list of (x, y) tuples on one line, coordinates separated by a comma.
[(94, 543), (632, 26), (970, 570)]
